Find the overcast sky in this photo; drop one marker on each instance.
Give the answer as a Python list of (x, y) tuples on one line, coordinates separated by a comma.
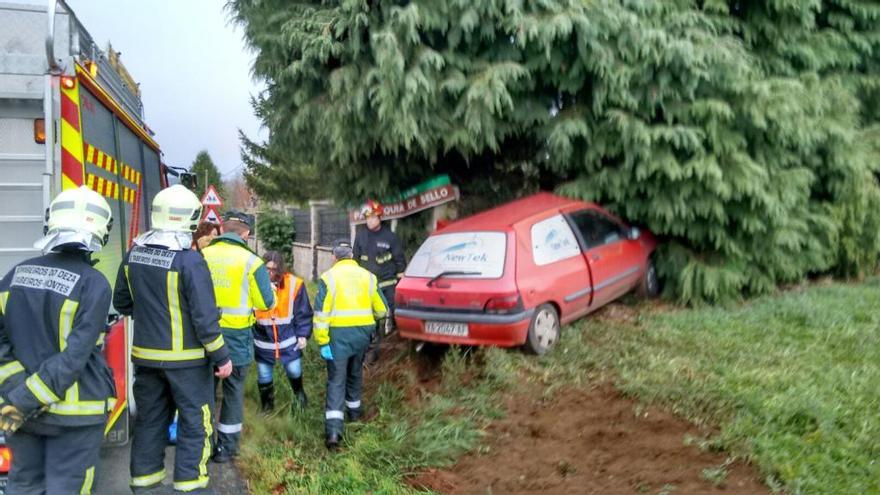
[(193, 68)]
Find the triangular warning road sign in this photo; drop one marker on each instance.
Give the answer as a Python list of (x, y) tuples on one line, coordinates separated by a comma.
[(211, 198), (212, 216)]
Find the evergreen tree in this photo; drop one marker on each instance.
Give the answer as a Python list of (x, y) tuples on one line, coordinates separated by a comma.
[(739, 131), (274, 174), (203, 168)]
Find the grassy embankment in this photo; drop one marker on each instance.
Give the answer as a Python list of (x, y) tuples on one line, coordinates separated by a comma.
[(790, 380)]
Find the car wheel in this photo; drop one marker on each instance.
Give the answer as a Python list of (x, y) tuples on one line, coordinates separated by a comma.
[(543, 330), (650, 284)]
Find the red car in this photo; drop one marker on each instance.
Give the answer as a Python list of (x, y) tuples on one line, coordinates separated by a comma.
[(511, 275)]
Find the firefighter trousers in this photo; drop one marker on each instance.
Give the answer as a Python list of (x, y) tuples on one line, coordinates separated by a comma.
[(232, 410), (157, 393), (345, 386), (57, 461), (374, 350)]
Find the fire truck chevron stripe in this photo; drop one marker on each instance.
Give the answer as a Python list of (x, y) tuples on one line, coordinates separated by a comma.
[(109, 188), (72, 170), (71, 145), (69, 111)]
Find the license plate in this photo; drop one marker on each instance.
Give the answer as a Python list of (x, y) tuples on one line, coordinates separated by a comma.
[(445, 328)]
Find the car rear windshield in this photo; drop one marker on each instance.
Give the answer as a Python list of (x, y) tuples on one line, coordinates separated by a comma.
[(460, 255)]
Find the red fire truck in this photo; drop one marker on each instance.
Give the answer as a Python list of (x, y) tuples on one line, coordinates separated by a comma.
[(70, 114)]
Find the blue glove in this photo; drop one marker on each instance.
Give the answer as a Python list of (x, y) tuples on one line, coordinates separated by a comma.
[(172, 430), (326, 353)]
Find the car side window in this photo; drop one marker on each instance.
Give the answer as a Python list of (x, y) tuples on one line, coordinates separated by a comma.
[(596, 229), (553, 240)]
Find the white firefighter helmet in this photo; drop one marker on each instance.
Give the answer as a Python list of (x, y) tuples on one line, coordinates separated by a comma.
[(77, 217), (176, 209)]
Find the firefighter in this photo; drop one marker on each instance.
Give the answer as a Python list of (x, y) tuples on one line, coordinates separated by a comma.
[(378, 249), (241, 285), (54, 383), (282, 333), (166, 287), (346, 309)]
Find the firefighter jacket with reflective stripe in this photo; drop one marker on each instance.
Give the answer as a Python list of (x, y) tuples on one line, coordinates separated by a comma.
[(348, 298), (277, 330), (169, 295), (53, 315), (381, 253), (241, 281)]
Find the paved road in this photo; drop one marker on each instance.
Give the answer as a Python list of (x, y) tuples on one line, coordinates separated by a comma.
[(113, 475)]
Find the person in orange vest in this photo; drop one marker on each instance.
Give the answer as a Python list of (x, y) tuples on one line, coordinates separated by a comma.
[(281, 334)]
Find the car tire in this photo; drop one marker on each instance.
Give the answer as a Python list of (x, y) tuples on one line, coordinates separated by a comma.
[(544, 330), (649, 286)]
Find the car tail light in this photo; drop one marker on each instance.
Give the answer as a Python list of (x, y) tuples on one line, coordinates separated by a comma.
[(400, 300), (5, 459), (504, 304)]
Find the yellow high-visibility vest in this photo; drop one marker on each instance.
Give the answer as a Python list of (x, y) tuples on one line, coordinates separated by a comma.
[(235, 287), (352, 300)]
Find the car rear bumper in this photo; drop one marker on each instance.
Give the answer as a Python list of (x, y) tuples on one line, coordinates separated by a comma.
[(483, 329)]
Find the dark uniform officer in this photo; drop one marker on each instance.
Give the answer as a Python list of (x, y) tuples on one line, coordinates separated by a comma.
[(167, 288), (346, 309), (378, 249), (53, 314)]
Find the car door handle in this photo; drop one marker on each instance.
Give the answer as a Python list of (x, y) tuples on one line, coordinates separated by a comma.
[(595, 257)]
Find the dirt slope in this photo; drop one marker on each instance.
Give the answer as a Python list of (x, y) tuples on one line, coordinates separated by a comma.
[(591, 442)]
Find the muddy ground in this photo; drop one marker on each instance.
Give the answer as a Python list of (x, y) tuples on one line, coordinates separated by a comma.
[(591, 441)]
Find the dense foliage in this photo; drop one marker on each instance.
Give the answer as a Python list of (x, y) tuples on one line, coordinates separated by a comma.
[(277, 175), (743, 132), (276, 232)]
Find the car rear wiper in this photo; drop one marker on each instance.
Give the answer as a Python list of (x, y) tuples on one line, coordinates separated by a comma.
[(444, 274)]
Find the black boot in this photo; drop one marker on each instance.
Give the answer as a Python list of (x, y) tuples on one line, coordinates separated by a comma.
[(332, 440), (267, 396), (302, 401), (222, 456)]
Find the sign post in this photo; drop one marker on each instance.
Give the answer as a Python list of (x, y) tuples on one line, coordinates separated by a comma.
[(212, 201), (211, 198), (429, 194), (212, 216)]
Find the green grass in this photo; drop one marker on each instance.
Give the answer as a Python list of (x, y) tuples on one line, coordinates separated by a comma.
[(284, 454), (792, 382)]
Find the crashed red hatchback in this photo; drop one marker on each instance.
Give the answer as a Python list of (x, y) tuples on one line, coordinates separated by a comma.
[(510, 276)]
